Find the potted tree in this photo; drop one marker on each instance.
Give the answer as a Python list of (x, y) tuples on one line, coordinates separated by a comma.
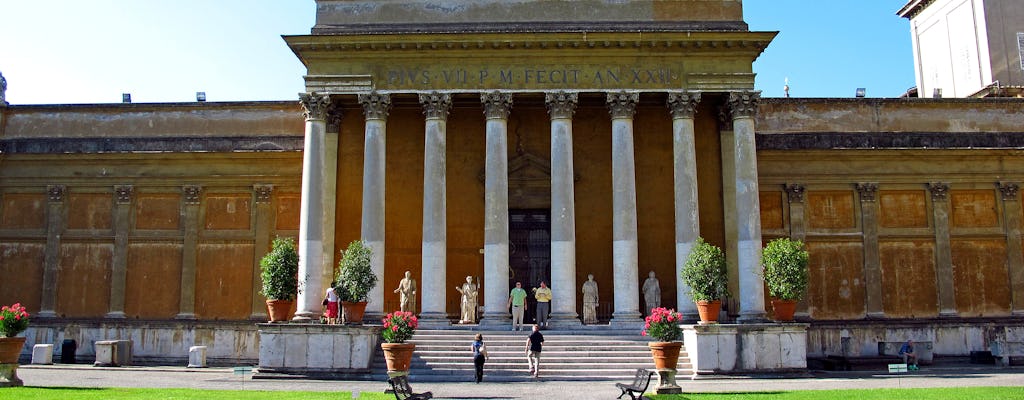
[(785, 273), (399, 326), (13, 321), (704, 272), (355, 278), (279, 271)]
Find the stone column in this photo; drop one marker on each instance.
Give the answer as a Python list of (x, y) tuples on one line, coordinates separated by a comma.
[(56, 220), (1014, 261), (435, 234), (311, 210), (265, 219), (376, 107), (497, 106), (119, 268), (795, 200), (743, 107), (943, 251), (561, 107), (683, 106), (625, 246), (872, 260), (329, 194), (727, 139), (187, 304)]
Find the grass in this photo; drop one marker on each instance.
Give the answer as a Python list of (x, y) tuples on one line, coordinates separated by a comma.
[(67, 393), (971, 393)]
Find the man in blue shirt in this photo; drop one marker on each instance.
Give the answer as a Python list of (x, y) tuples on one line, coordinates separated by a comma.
[(909, 355)]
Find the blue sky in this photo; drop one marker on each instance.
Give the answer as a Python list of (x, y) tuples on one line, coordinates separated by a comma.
[(91, 51)]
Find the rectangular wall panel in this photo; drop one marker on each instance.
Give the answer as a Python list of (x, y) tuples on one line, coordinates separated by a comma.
[(908, 278), (90, 211), (23, 211), (831, 210), (903, 209), (83, 286), (973, 209), (228, 212), (158, 211), (21, 266), (836, 289), (224, 280), (153, 282), (982, 283)]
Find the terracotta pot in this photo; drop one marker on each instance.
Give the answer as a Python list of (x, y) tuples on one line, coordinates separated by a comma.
[(10, 349), (784, 309), (279, 310), (352, 313), (709, 310), (665, 354), (398, 356)]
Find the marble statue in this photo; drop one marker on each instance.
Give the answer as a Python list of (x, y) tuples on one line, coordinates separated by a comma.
[(590, 298), (3, 90), (407, 290), (469, 292), (652, 293)]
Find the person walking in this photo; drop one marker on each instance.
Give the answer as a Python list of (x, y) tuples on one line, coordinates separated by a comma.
[(534, 344), (543, 296), (479, 356), (517, 300)]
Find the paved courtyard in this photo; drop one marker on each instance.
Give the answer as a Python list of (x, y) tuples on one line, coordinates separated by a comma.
[(80, 375)]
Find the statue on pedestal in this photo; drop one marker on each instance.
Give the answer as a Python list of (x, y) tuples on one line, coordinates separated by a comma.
[(652, 293), (590, 298), (469, 292), (407, 290)]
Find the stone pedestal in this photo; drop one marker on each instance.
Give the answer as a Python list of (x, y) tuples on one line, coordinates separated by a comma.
[(667, 382), (42, 354), (197, 357), (9, 375), (106, 353), (315, 350), (746, 348)]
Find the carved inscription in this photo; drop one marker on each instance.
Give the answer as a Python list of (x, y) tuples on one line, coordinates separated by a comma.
[(539, 76)]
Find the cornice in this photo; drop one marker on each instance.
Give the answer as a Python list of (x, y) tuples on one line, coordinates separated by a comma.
[(913, 7)]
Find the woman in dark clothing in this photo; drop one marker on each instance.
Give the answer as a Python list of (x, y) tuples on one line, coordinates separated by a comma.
[(479, 356)]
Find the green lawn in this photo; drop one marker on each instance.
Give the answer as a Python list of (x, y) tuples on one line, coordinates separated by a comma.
[(972, 393), (63, 393)]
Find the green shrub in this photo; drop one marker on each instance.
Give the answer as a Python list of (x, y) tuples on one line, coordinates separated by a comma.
[(279, 270), (704, 272), (785, 268)]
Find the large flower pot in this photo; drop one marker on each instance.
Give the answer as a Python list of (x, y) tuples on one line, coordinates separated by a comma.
[(279, 310), (398, 356), (665, 354), (709, 310), (10, 349), (352, 313), (784, 309)]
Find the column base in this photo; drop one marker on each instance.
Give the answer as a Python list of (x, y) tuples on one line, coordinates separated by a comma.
[(305, 317), (752, 318), (185, 316), (115, 315), (45, 314), (9, 376), (948, 314), (629, 321), (373, 318), (690, 318), (667, 382), (564, 321), (496, 321), (434, 320)]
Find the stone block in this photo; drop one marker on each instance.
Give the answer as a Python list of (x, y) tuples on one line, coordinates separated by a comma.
[(106, 353), (42, 354), (124, 352), (197, 357)]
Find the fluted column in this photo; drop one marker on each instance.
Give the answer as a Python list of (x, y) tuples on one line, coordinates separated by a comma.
[(311, 210), (497, 106), (561, 107), (376, 107), (683, 106), (743, 108), (435, 242), (625, 247)]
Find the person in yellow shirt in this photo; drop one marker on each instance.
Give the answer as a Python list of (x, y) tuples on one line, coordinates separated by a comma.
[(543, 296)]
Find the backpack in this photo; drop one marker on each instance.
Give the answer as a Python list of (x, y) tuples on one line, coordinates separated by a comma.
[(483, 350)]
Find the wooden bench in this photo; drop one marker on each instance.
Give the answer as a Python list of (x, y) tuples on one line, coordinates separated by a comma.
[(636, 389), (400, 386), (1006, 349)]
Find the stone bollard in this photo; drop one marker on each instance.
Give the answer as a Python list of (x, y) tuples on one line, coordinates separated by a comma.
[(197, 357), (42, 354), (124, 352), (106, 353)]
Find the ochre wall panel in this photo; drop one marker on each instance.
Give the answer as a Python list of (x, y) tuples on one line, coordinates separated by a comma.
[(157, 211), (403, 232), (153, 283), (830, 210), (973, 209), (288, 210), (771, 210), (655, 201), (83, 286), (465, 204), (224, 280), (902, 209), (23, 211), (592, 152), (836, 289), (21, 266), (980, 277), (228, 211), (908, 278), (90, 211)]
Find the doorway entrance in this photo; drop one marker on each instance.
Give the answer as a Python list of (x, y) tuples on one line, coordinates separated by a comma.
[(529, 252)]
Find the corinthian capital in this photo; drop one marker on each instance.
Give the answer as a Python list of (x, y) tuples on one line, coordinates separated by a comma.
[(436, 105), (375, 105), (744, 104), (314, 105), (683, 104), (561, 104), (496, 104), (622, 104)]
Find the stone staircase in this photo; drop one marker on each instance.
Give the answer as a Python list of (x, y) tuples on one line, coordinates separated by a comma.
[(598, 355)]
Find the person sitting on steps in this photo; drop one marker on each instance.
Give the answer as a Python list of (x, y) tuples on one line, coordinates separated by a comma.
[(909, 355)]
